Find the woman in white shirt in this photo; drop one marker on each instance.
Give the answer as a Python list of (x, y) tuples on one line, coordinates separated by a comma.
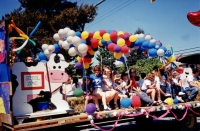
[(68, 88)]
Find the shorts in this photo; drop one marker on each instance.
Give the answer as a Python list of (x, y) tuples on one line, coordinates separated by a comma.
[(98, 91), (145, 91)]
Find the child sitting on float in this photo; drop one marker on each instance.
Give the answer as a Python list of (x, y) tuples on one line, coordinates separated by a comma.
[(88, 92), (68, 88)]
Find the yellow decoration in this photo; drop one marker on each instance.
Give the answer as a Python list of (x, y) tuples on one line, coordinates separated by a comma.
[(84, 34), (121, 42), (120, 32), (172, 58), (100, 44), (117, 55), (97, 35), (78, 58), (106, 37), (169, 101), (2, 108), (91, 52), (132, 38), (86, 65)]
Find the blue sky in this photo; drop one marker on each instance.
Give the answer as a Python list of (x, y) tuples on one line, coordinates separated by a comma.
[(164, 20)]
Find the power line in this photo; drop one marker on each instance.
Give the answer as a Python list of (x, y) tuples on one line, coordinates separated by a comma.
[(186, 49), (111, 13)]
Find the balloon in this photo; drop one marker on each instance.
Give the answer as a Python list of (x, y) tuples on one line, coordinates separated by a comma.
[(124, 49), (106, 37), (104, 42), (97, 35), (76, 41), (132, 38), (102, 32), (94, 42), (51, 48), (34, 30), (145, 44), (180, 70), (121, 42), (175, 101), (69, 39), (57, 48), (71, 33), (117, 48), (125, 102), (164, 48), (72, 51), (47, 53), (168, 53), (56, 37), (84, 34), (151, 45), (153, 41), (78, 34), (160, 52), (91, 35), (65, 45), (44, 47), (117, 55), (82, 48), (111, 47), (136, 102), (90, 108), (141, 36), (65, 31), (139, 42), (86, 65), (79, 65), (61, 33), (152, 52), (42, 56), (118, 63), (60, 43), (78, 58), (194, 18), (78, 92), (172, 58), (120, 32), (169, 101), (113, 36), (147, 37), (127, 42)]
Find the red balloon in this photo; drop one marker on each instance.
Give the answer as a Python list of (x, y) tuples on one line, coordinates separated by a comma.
[(113, 36), (89, 48), (194, 18), (111, 47), (124, 49), (180, 70), (136, 102), (127, 42), (102, 32), (126, 33), (94, 42), (91, 35)]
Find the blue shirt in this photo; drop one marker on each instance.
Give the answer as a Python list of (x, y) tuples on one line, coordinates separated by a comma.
[(96, 80)]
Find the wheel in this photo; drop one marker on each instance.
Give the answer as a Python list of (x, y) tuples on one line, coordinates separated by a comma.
[(189, 123)]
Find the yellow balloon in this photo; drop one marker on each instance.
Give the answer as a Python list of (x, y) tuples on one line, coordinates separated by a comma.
[(120, 32), (121, 42), (78, 58), (172, 58), (100, 44), (106, 37), (117, 55), (132, 38), (169, 101), (84, 34), (86, 65), (97, 35)]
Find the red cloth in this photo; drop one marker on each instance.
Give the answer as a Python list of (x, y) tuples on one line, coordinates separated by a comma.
[(133, 82)]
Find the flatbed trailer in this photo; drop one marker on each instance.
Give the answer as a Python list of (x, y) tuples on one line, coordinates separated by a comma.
[(184, 113)]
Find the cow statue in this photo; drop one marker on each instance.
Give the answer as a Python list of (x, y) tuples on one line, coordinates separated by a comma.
[(41, 77)]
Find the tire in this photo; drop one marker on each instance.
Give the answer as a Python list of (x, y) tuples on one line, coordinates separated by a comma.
[(189, 123)]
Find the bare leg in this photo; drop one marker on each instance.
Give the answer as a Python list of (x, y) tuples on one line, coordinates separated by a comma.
[(152, 92), (86, 101), (158, 94)]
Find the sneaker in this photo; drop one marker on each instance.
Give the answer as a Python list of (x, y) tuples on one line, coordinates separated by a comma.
[(187, 100), (181, 93), (116, 106), (180, 99), (167, 95), (107, 109), (108, 106), (97, 109)]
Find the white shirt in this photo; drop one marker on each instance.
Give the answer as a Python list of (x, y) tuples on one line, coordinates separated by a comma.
[(145, 84), (157, 80), (162, 81), (191, 78), (69, 89), (108, 82), (184, 82)]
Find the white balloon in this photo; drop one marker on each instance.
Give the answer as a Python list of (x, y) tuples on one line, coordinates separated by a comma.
[(82, 48), (65, 45), (118, 63), (147, 37), (69, 39), (51, 48), (56, 37), (61, 33), (82, 54), (141, 36), (60, 43), (137, 35), (44, 47), (160, 52), (152, 41), (65, 31), (72, 51), (71, 33), (47, 52), (76, 41)]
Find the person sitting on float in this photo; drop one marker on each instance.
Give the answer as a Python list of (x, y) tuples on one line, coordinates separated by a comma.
[(88, 92), (68, 88), (97, 81), (107, 87)]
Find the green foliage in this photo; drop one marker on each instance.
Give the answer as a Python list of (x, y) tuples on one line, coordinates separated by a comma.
[(121, 68), (146, 65)]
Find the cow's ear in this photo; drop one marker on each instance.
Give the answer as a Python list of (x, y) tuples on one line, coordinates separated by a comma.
[(52, 57)]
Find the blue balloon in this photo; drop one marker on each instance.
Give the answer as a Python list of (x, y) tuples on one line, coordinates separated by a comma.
[(168, 53), (175, 101), (78, 34), (71, 45), (42, 56), (108, 31), (132, 44), (104, 42), (139, 42), (122, 59), (125, 102), (145, 44), (152, 52), (83, 41), (43, 61), (164, 48), (142, 48), (110, 41), (57, 48), (151, 45)]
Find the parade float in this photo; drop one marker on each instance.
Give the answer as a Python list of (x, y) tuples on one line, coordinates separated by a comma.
[(32, 81)]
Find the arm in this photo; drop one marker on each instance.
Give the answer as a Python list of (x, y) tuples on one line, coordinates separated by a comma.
[(128, 86), (105, 84)]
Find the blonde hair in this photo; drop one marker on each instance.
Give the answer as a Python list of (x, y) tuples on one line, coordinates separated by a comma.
[(150, 76), (157, 73)]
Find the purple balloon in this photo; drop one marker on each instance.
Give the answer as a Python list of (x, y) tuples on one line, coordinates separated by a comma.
[(79, 65), (126, 37), (90, 108), (117, 48)]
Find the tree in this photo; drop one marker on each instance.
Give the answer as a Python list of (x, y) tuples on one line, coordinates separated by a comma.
[(53, 15)]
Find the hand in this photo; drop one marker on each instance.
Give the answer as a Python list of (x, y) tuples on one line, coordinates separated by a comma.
[(131, 82)]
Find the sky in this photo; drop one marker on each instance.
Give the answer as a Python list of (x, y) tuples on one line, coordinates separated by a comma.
[(164, 20)]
